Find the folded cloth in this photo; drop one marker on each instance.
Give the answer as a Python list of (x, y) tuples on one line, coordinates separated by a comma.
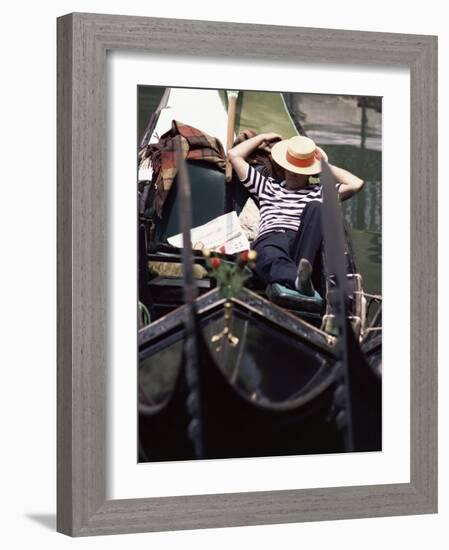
[(171, 269), (197, 146)]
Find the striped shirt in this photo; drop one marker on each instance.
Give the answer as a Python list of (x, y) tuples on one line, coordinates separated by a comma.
[(280, 207)]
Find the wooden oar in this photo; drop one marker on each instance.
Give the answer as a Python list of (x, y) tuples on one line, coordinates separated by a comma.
[(232, 103), (334, 252), (358, 396)]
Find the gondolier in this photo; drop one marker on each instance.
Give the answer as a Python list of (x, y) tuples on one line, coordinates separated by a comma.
[(290, 233)]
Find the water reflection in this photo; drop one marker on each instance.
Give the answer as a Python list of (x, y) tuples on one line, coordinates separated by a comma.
[(349, 129)]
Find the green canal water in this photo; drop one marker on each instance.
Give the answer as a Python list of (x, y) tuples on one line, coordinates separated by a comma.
[(352, 140)]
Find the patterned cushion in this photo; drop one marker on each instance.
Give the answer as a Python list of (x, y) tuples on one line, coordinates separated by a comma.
[(292, 299)]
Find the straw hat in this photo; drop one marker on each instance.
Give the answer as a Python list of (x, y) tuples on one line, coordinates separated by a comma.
[(298, 154)]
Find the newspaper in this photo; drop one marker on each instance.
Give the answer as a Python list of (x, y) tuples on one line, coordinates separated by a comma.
[(222, 231)]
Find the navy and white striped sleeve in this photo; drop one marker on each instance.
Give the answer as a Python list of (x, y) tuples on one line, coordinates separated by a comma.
[(254, 181)]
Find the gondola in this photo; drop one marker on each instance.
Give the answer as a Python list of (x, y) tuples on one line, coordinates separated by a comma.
[(296, 382)]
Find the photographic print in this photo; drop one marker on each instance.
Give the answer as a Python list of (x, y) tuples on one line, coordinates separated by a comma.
[(260, 263), (257, 324)]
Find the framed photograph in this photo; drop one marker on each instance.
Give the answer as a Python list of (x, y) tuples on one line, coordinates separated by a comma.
[(281, 367)]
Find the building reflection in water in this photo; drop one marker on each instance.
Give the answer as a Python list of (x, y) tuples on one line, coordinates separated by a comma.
[(349, 130)]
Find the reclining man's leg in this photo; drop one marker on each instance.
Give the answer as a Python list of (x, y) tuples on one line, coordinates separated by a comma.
[(306, 250), (309, 237), (273, 263)]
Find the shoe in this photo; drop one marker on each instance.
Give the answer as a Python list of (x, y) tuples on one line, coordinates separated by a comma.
[(303, 282)]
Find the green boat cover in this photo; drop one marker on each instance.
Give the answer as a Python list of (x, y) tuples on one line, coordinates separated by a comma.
[(262, 112)]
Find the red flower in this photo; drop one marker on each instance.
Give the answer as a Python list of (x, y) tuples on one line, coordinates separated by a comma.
[(244, 256), (222, 249), (215, 263)]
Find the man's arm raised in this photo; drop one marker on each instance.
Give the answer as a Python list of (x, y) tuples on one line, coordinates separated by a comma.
[(238, 154)]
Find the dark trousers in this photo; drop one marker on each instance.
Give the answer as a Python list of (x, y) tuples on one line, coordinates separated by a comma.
[(278, 253)]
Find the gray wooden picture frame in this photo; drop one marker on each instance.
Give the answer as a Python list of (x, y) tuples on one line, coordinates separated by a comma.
[(83, 40)]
